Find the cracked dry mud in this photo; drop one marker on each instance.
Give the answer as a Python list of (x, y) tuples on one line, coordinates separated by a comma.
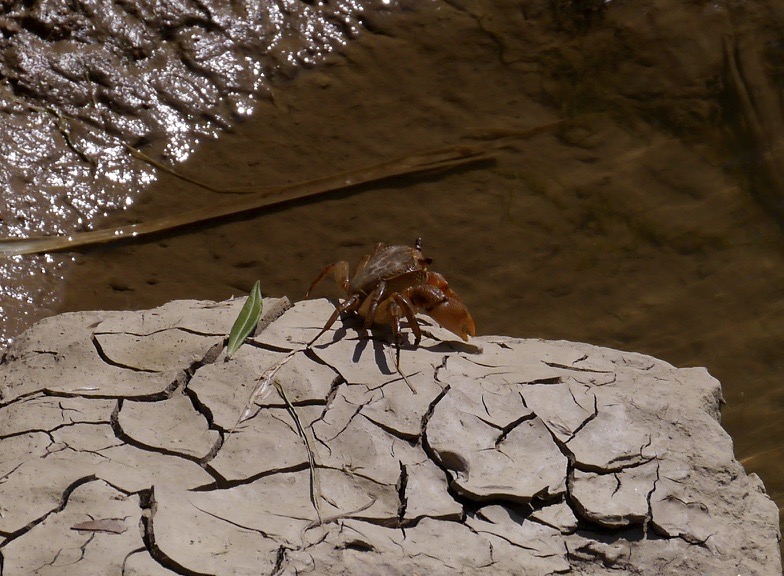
[(512, 457)]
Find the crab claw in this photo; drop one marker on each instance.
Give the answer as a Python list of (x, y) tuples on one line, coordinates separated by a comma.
[(454, 316)]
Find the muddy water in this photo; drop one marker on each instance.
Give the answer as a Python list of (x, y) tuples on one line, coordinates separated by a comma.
[(650, 221), (82, 80)]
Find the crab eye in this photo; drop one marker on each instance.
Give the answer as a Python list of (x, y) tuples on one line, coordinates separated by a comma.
[(425, 261)]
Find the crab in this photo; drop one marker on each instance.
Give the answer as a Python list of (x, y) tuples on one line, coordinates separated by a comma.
[(394, 282)]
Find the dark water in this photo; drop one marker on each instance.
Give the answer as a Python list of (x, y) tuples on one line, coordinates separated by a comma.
[(649, 221)]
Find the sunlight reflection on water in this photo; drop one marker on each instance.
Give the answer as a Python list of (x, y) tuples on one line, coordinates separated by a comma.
[(63, 166)]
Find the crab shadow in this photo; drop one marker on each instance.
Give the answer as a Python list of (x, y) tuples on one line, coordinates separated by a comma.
[(386, 353)]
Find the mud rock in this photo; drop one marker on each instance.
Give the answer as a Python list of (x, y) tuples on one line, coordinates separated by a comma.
[(123, 450)]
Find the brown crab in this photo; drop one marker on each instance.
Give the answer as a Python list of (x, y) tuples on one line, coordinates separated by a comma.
[(394, 282)]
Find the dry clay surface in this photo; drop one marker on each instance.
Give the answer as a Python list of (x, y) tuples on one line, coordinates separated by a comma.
[(119, 454)]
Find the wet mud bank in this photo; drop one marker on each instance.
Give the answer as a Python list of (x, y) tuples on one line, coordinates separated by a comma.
[(124, 452)]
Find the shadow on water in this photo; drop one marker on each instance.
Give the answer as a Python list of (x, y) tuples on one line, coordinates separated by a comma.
[(639, 225)]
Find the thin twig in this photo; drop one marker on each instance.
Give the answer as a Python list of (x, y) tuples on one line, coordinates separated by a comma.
[(341, 516), (315, 487), (261, 388), (163, 168), (421, 162), (399, 371)]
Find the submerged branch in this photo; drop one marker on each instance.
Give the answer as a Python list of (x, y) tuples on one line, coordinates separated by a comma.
[(422, 162), (758, 123), (489, 141)]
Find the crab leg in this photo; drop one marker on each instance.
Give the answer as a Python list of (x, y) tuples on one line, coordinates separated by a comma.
[(397, 306), (349, 305), (340, 272), (361, 265), (374, 297), (393, 310), (398, 303)]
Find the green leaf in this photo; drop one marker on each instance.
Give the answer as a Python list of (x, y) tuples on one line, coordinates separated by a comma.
[(246, 321)]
